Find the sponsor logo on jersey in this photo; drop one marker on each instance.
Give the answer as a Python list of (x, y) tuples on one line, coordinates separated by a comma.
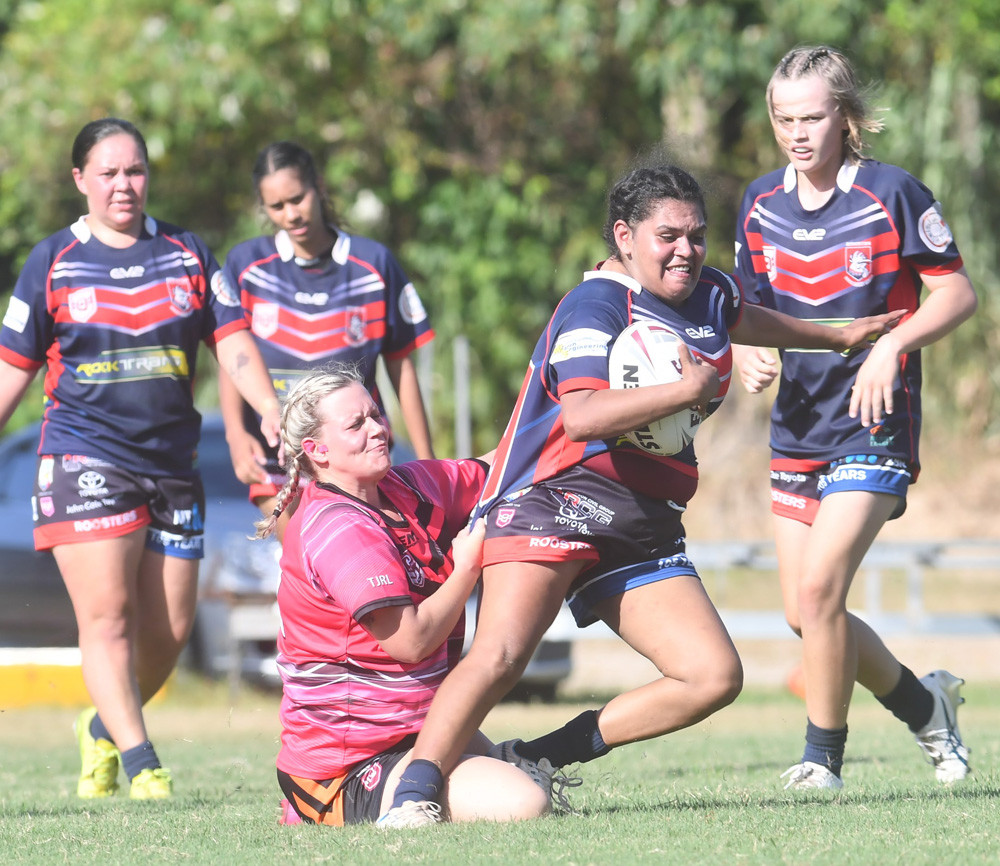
[(130, 273), (264, 320), (371, 777), (879, 437), (315, 299), (17, 315), (82, 304), (414, 572), (180, 292), (858, 263), (224, 290), (933, 230), (505, 516), (770, 254), (142, 364), (580, 343), (45, 467), (702, 332), (355, 327), (411, 308), (809, 234)]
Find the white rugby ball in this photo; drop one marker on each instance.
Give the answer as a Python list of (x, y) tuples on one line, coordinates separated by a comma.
[(645, 353)]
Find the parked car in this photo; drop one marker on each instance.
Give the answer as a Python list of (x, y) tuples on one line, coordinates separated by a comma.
[(236, 623)]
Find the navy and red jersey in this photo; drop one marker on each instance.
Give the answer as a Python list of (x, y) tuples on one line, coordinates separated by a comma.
[(119, 330), (863, 253), (572, 355), (350, 306), (345, 698)]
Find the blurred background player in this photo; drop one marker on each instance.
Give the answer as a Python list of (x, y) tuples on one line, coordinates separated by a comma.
[(313, 294), (830, 237), (117, 305), (575, 510), (375, 572)]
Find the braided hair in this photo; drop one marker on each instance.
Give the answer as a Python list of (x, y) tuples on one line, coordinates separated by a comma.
[(300, 419)]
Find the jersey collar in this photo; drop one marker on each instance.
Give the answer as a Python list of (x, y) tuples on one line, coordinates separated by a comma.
[(83, 233), (624, 279), (845, 177), (341, 249)]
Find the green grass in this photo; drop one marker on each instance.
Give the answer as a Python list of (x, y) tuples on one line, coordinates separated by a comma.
[(706, 795)]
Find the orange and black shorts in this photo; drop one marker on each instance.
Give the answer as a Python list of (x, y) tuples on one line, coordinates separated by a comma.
[(354, 798)]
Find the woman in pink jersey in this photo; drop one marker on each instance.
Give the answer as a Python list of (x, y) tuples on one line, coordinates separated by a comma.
[(117, 306), (832, 236), (375, 571)]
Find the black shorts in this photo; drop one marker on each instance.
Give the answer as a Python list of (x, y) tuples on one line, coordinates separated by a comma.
[(354, 798), (78, 498), (628, 539)]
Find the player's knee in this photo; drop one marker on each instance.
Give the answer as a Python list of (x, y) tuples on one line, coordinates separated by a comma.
[(500, 662), (724, 686)]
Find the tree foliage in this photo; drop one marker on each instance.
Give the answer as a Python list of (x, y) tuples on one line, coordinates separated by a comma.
[(487, 134)]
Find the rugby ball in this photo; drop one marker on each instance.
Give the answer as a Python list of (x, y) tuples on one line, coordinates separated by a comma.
[(645, 353)]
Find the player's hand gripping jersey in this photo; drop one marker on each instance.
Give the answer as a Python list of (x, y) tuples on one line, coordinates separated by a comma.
[(572, 355), (351, 306), (120, 330), (861, 254), (345, 699)]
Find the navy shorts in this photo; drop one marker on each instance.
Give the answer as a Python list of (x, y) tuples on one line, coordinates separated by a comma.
[(798, 486), (78, 498), (627, 539)]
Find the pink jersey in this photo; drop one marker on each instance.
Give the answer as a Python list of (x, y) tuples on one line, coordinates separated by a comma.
[(346, 699)]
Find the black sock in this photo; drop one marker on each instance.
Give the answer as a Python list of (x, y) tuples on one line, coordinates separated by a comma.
[(909, 701), (421, 780), (576, 742), (825, 746), (139, 758), (98, 731)]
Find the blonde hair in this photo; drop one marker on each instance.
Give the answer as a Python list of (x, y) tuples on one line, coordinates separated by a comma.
[(300, 419), (837, 73)]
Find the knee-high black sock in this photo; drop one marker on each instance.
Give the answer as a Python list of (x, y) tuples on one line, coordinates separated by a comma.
[(576, 742), (909, 701)]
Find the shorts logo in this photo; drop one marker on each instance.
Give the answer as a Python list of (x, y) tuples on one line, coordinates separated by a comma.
[(505, 516), (858, 263), (355, 327), (45, 503), (770, 254), (45, 468), (91, 480), (371, 777), (264, 320), (180, 292), (82, 304)]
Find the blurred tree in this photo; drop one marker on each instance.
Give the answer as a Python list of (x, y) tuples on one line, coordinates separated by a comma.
[(478, 139)]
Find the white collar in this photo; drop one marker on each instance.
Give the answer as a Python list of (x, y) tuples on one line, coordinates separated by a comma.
[(340, 252), (624, 279), (83, 233), (845, 177)]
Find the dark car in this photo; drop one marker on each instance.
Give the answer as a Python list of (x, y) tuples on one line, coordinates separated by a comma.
[(236, 623)]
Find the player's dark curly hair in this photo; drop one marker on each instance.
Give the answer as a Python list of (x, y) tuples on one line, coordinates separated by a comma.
[(289, 154), (633, 198)]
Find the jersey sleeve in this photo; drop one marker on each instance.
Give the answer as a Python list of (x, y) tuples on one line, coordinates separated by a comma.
[(223, 311), (755, 288), (353, 561), (579, 339), (27, 329), (926, 240), (407, 324)]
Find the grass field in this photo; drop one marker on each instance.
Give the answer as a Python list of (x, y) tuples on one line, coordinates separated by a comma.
[(707, 795)]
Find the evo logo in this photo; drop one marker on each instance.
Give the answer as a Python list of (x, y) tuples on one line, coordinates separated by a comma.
[(809, 234), (703, 332)]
